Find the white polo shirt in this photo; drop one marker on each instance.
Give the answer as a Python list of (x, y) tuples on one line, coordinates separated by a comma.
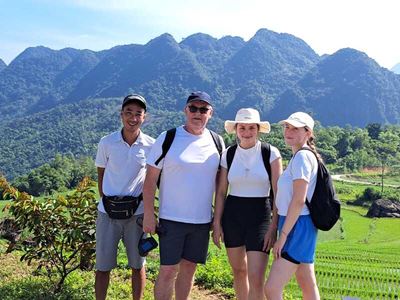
[(125, 165), (188, 176)]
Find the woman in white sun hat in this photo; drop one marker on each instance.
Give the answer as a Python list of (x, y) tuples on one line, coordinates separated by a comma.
[(243, 219), (294, 250)]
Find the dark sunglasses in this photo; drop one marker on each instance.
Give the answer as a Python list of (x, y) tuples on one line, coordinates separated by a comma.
[(194, 109)]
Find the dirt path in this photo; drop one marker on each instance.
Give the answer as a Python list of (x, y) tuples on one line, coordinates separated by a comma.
[(199, 293), (342, 177)]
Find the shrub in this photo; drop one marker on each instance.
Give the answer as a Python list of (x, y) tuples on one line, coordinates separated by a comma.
[(61, 229), (369, 195)]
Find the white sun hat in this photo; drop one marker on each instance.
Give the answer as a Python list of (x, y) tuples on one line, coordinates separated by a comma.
[(247, 116), (299, 119)]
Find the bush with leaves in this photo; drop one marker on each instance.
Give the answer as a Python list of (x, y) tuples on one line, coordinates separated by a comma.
[(61, 229)]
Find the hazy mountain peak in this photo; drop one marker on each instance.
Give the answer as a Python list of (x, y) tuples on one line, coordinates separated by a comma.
[(2, 65), (34, 52), (199, 41), (349, 57), (396, 69), (165, 38)]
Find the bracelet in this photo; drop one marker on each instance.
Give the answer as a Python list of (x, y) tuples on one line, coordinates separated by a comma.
[(282, 232)]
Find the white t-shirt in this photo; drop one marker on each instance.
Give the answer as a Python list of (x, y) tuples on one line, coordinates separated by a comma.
[(125, 166), (188, 176), (247, 175), (304, 166)]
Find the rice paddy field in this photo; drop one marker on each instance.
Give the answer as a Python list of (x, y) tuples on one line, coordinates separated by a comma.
[(361, 259), (358, 258)]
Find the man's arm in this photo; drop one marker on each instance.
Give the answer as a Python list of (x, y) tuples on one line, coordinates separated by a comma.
[(100, 176), (149, 192)]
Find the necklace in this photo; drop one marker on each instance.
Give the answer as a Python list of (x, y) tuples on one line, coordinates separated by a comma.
[(247, 158)]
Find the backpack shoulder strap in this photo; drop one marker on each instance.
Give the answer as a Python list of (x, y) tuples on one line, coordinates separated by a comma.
[(217, 141), (230, 154), (308, 149), (169, 138), (320, 164), (266, 155)]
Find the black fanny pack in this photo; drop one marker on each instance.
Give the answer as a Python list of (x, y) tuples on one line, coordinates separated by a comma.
[(121, 207)]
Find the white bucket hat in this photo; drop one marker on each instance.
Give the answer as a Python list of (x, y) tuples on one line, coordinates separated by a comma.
[(299, 119), (247, 116)]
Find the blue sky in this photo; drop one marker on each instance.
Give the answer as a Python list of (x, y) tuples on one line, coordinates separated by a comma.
[(326, 25)]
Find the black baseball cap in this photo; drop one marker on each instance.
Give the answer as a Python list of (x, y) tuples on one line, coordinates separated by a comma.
[(199, 96), (135, 98)]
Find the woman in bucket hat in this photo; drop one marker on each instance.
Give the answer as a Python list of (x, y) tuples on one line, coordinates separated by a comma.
[(294, 250), (243, 219)]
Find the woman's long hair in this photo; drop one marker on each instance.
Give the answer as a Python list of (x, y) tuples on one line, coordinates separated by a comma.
[(311, 144)]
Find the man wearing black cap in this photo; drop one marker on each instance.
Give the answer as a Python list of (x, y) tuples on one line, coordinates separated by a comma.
[(187, 185), (121, 167)]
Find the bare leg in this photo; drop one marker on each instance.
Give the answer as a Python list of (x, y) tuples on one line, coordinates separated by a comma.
[(138, 283), (164, 286), (238, 262), (101, 284), (305, 277), (281, 272), (256, 266), (184, 281)]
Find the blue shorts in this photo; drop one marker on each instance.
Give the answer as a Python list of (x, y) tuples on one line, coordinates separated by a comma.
[(301, 241)]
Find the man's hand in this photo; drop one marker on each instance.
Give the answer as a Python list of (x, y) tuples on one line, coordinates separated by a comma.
[(149, 224)]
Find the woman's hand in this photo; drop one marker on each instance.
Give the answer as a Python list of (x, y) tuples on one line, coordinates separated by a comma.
[(278, 246), (269, 238), (218, 234)]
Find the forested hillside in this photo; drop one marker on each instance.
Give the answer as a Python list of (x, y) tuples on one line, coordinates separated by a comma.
[(63, 101)]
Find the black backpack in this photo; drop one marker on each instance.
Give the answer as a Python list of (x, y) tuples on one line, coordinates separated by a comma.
[(325, 205), (169, 138), (266, 154)]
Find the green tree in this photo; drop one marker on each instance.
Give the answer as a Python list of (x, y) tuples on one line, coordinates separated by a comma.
[(374, 129), (386, 148), (62, 173), (61, 229)]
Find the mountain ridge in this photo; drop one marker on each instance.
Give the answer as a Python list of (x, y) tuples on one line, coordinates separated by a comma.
[(63, 101), (262, 72)]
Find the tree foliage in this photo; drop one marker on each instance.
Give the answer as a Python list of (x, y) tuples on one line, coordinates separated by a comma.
[(61, 229), (61, 174), (348, 149)]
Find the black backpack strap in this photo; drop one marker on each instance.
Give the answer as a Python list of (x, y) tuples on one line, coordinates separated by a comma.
[(230, 154), (266, 155), (318, 162), (217, 141), (169, 138)]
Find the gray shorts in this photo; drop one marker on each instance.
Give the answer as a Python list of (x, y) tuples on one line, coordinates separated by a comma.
[(108, 234), (183, 240)]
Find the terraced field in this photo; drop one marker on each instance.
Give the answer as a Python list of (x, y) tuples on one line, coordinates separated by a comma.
[(363, 262)]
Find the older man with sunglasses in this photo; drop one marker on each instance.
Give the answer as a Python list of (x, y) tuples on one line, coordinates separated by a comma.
[(187, 184)]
